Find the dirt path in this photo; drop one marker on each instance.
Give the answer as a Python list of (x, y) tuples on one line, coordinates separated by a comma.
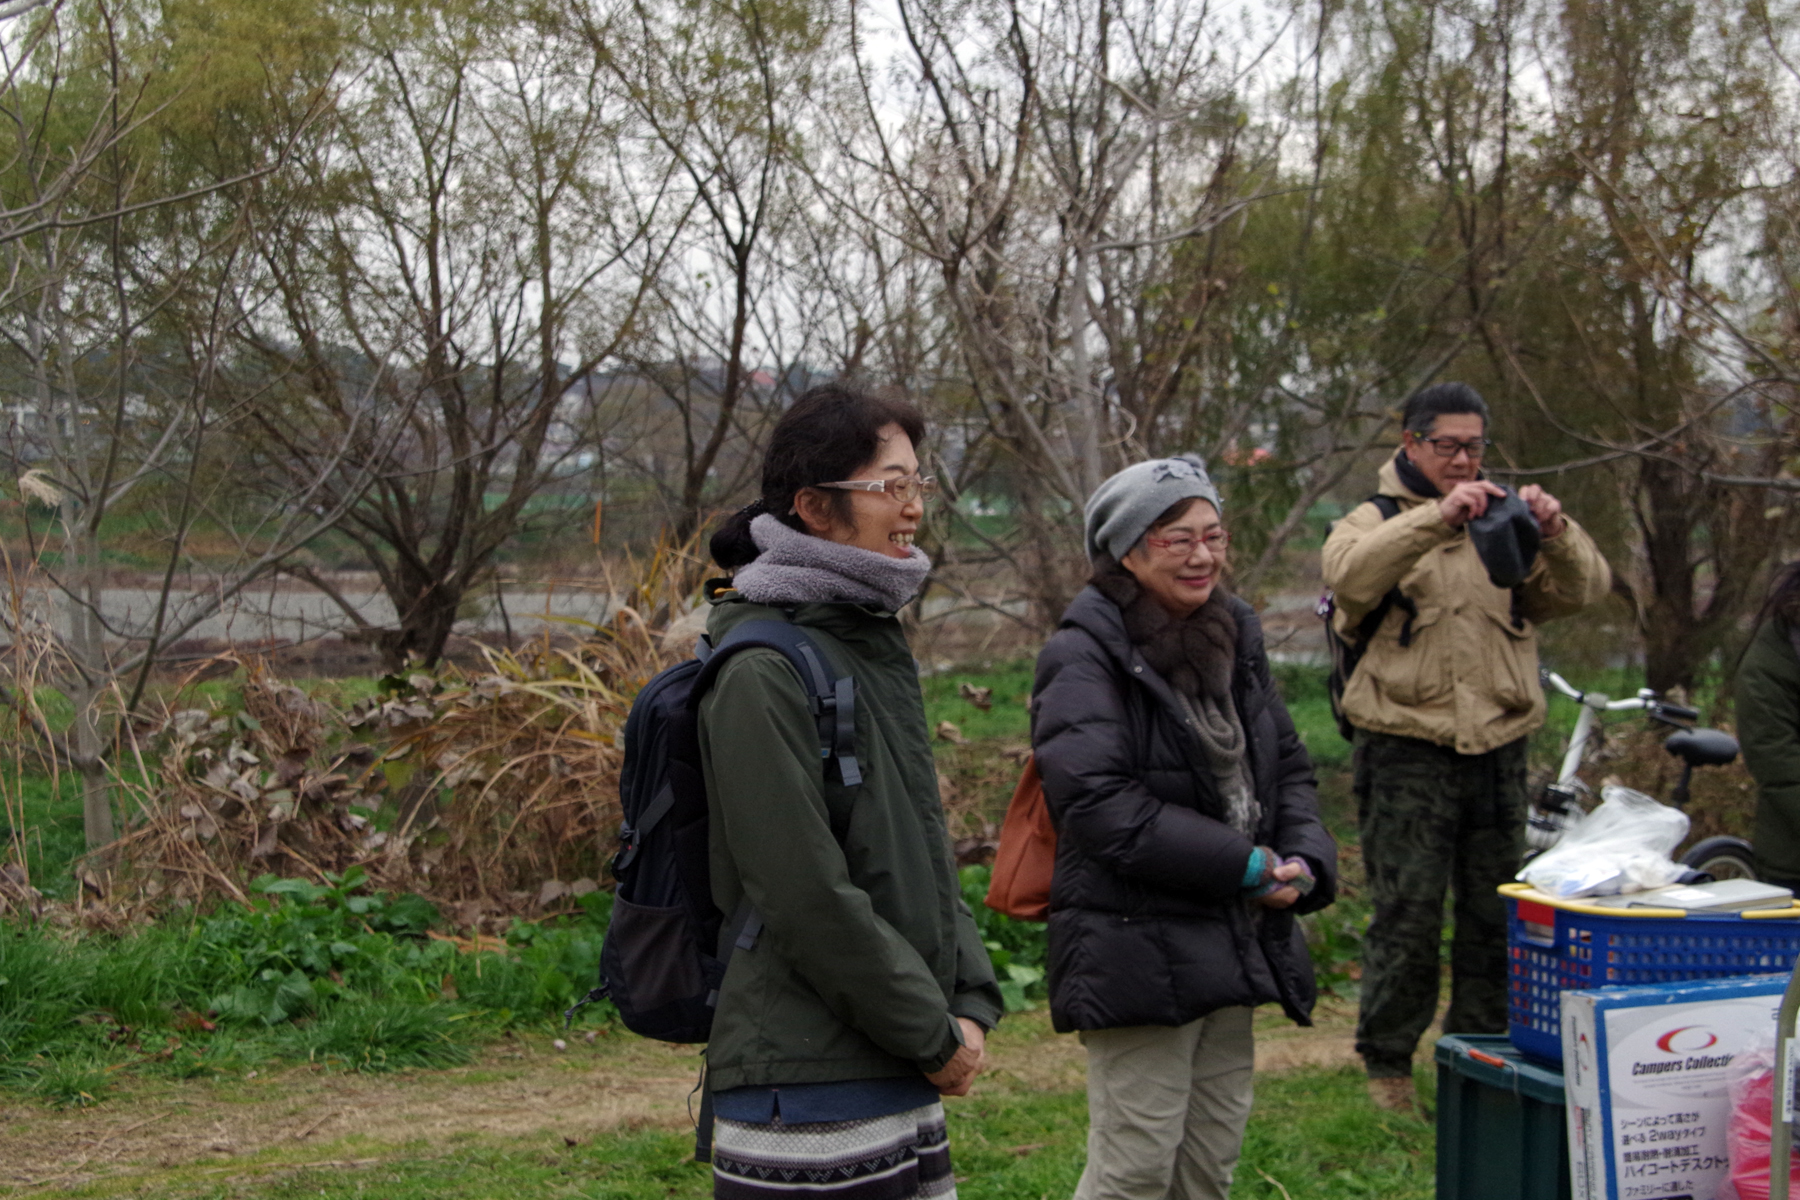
[(517, 1088)]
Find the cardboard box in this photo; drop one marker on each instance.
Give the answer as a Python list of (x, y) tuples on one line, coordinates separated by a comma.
[(1646, 1070)]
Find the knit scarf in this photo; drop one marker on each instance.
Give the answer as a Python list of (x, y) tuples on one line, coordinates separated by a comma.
[(1413, 479), (796, 568), (1195, 654)]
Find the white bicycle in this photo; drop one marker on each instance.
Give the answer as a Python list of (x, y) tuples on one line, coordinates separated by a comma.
[(1562, 802)]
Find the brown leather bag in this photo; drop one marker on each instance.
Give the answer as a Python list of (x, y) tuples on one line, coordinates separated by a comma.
[(1020, 886)]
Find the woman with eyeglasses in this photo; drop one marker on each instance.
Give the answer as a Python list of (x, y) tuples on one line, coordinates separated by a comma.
[(1188, 838), (867, 993)]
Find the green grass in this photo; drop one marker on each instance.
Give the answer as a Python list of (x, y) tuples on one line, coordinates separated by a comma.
[(327, 975), (1316, 1133), (1303, 690), (617, 1166), (1008, 718), (42, 816), (383, 1035), (1312, 1132)]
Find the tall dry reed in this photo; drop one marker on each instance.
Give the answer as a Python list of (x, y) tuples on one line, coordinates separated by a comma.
[(492, 791)]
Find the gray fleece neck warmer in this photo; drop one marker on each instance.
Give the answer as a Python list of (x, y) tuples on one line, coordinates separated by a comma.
[(798, 568)]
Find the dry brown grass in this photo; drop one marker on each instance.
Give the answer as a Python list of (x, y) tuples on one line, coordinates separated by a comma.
[(1724, 798), (976, 784), (491, 790)]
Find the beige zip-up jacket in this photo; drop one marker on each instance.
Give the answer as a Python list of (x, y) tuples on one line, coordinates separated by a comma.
[(1469, 680)]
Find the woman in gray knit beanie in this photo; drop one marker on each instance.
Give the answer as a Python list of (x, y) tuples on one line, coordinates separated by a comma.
[(1188, 838)]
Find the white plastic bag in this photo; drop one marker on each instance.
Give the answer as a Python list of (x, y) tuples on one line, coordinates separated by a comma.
[(1622, 846)]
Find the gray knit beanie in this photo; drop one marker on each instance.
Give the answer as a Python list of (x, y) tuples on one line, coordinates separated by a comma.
[(1121, 509)]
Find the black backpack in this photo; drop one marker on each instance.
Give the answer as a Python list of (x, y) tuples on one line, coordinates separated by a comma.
[(1345, 655), (658, 962)]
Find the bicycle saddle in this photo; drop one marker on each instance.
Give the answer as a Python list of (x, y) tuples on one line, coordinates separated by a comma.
[(1702, 747)]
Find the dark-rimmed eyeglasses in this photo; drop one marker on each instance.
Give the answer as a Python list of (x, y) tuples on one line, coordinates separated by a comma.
[(1451, 447), (905, 489), (1182, 545)]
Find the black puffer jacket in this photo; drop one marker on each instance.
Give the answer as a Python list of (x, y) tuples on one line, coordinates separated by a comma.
[(1148, 925)]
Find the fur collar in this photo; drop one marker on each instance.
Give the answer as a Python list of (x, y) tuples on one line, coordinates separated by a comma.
[(1195, 654)]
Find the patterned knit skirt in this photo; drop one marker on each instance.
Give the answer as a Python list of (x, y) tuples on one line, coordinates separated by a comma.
[(904, 1156)]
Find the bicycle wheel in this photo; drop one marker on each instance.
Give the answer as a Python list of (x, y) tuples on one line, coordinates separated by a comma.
[(1722, 858)]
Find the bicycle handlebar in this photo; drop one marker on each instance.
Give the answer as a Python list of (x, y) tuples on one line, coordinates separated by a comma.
[(1555, 682), (1660, 710), (1550, 679)]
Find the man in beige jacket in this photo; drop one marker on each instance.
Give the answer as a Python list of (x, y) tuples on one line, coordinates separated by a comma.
[(1442, 701)]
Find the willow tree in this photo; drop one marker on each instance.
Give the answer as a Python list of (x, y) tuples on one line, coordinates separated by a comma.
[(724, 93), (1633, 343), (456, 263), (133, 138)]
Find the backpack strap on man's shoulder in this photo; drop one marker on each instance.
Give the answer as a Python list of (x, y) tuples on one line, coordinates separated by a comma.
[(1389, 508), (831, 700), (1347, 651), (1365, 628)]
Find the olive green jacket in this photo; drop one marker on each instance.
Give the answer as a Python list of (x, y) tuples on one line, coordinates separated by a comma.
[(1469, 678), (867, 952), (1768, 728)]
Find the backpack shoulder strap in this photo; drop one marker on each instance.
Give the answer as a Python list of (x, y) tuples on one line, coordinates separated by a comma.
[(832, 700), (1395, 598)]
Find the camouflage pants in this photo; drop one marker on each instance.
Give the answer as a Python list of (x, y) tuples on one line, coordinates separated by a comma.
[(1432, 818)]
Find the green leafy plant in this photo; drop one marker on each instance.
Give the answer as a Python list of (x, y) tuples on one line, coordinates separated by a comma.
[(328, 972), (1016, 948), (1334, 937), (550, 966), (302, 943)]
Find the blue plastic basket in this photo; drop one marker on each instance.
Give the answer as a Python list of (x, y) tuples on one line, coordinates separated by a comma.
[(1558, 946)]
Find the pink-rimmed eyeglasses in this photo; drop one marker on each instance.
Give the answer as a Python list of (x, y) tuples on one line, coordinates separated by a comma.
[(1182, 544)]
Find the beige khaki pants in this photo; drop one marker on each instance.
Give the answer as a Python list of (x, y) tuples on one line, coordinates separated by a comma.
[(1167, 1108)]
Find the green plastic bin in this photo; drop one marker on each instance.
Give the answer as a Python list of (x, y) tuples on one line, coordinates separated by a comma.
[(1501, 1129)]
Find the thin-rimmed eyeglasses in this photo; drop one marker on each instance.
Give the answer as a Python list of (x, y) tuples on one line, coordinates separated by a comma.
[(905, 488)]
